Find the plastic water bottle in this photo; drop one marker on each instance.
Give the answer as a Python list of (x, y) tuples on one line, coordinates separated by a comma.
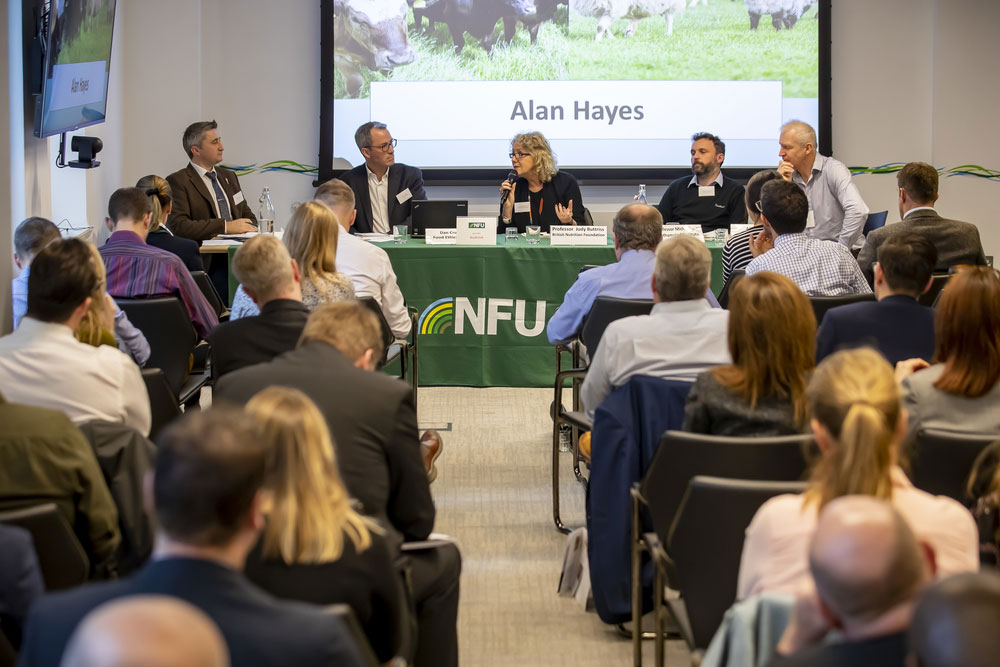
[(641, 197), (265, 213)]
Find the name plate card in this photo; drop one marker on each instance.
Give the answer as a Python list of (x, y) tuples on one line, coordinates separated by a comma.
[(441, 236), (737, 228), (476, 231), (578, 235), (679, 230)]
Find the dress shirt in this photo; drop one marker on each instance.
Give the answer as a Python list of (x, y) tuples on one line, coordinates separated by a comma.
[(929, 407), (378, 191), (19, 292), (677, 340), (137, 269), (776, 548), (819, 268), (330, 288), (370, 270), (203, 173), (42, 364), (838, 209)]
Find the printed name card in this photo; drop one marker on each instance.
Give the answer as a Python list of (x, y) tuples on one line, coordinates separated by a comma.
[(737, 228), (578, 235), (441, 236), (476, 231), (678, 230)]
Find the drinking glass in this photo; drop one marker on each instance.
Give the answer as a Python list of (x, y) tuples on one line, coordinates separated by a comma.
[(511, 234), (400, 235), (534, 232)]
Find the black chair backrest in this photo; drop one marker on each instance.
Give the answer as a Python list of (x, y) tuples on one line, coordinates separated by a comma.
[(346, 615), (941, 461), (734, 278), (938, 282), (167, 327), (387, 338), (706, 542), (821, 304), (162, 400), (874, 221), (607, 309), (204, 284), (61, 558)]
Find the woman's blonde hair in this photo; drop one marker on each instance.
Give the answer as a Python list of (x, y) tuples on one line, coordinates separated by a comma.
[(158, 191), (854, 395), (311, 239), (536, 145), (311, 510), (98, 323)]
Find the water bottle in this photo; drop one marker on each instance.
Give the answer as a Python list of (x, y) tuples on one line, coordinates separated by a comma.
[(641, 197), (265, 213)]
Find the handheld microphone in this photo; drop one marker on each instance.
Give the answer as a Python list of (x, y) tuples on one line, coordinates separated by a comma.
[(511, 177)]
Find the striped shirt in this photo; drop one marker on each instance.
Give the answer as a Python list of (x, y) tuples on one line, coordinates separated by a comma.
[(819, 268), (736, 253), (136, 269)]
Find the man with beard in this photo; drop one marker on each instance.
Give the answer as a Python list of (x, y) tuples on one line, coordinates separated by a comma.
[(707, 198)]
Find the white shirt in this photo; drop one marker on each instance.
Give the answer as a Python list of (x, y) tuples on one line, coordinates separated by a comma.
[(370, 270), (211, 188), (378, 193), (42, 364)]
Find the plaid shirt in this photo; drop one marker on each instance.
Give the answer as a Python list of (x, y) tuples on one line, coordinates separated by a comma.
[(819, 268)]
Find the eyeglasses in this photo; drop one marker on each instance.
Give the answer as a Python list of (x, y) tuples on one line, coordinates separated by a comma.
[(519, 156), (760, 209), (384, 147)]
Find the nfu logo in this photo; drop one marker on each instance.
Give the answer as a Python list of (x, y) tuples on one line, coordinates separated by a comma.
[(458, 313)]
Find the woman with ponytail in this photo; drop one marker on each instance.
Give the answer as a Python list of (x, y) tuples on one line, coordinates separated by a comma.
[(858, 423), (158, 191)]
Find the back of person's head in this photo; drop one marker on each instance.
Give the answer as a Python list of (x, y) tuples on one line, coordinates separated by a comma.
[(920, 180), (264, 267), (31, 235), (955, 622), (128, 204), (785, 206), (967, 332), (160, 195), (751, 196), (210, 464), (63, 276), (683, 269), (865, 561), (637, 227), (338, 196), (853, 397), (311, 239), (907, 261), (349, 326), (311, 509), (772, 340), (194, 134), (146, 631), (99, 319)]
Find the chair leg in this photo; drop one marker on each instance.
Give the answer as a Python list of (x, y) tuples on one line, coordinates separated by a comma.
[(658, 611), (560, 526), (636, 586)]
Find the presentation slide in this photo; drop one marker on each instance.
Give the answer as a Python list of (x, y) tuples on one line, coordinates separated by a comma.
[(611, 83)]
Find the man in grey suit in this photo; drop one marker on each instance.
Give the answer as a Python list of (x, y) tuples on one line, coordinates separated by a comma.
[(957, 242)]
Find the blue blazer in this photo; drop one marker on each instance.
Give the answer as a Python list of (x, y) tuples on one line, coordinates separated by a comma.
[(401, 177), (897, 326)]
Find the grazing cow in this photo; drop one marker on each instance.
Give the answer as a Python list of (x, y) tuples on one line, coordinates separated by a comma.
[(784, 13), (477, 17), (607, 11), (371, 34), (544, 11)]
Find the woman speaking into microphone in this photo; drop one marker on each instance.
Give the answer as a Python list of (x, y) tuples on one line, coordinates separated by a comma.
[(541, 194)]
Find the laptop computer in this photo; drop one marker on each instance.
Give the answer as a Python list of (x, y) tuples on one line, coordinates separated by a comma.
[(435, 214)]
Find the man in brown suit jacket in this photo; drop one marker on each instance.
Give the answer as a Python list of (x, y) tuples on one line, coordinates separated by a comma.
[(207, 199)]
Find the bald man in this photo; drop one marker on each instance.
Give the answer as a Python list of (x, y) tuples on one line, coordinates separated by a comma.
[(148, 630), (868, 569), (955, 623)]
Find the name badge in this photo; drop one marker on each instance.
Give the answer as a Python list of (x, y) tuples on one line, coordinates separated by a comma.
[(706, 190), (522, 207), (238, 198), (404, 196), (810, 220)]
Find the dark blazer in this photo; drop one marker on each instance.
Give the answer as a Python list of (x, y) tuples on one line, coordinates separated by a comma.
[(259, 629), (957, 242), (186, 249), (561, 189), (401, 177), (374, 426), (20, 580), (886, 651), (252, 340), (897, 326), (193, 214)]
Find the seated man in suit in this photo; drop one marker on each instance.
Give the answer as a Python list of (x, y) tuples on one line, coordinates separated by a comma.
[(896, 325), (31, 235), (206, 489), (956, 242), (382, 189), (682, 336), (207, 199), (374, 428), (270, 277), (818, 267), (955, 622), (137, 269)]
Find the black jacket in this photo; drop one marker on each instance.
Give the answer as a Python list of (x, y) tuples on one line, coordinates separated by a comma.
[(401, 177), (252, 340), (186, 249), (897, 326), (561, 189)]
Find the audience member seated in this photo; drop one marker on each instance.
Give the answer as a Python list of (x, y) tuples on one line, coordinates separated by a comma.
[(868, 568), (955, 623), (311, 238), (858, 423), (736, 253), (366, 264), (819, 268), (20, 579), (270, 277), (956, 242), (158, 191), (771, 331), (45, 459), (207, 494), (895, 325), (31, 236), (374, 428), (137, 269), (150, 630), (960, 392), (682, 336), (42, 363), (315, 547)]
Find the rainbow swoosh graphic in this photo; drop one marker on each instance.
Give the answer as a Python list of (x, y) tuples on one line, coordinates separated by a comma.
[(437, 317)]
